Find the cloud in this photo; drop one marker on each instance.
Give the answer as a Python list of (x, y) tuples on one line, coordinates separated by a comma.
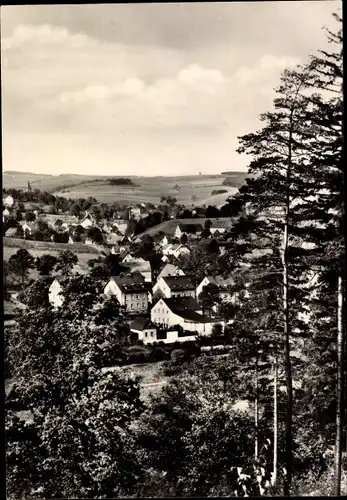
[(145, 85)]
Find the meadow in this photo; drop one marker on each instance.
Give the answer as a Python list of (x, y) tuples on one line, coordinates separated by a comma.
[(39, 248), (188, 190)]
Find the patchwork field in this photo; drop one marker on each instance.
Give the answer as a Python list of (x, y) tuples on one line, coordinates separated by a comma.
[(188, 190)]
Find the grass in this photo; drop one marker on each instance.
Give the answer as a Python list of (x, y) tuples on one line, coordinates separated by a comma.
[(150, 189), (39, 248), (188, 190)]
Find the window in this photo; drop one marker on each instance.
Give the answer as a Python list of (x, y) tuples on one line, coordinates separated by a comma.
[(132, 306), (146, 334), (143, 305), (138, 305)]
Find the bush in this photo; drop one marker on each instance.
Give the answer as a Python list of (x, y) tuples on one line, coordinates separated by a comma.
[(219, 191), (178, 355)]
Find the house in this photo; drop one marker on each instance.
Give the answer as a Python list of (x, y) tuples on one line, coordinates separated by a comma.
[(54, 294), (219, 281), (170, 270), (220, 226), (190, 228), (121, 225), (184, 312), (131, 292), (174, 286), (8, 201), (131, 258), (113, 239), (175, 250), (164, 241), (88, 220), (145, 329), (6, 214), (28, 227), (139, 266), (135, 213)]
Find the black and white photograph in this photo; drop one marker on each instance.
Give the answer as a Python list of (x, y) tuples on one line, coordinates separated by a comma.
[(174, 265)]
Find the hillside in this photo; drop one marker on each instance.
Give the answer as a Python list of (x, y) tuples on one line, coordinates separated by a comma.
[(38, 248), (168, 227), (188, 190)]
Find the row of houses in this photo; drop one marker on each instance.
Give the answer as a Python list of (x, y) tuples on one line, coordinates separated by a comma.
[(172, 301)]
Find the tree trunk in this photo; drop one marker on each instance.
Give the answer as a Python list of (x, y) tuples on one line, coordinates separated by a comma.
[(256, 412), (287, 364), (339, 390), (275, 443)]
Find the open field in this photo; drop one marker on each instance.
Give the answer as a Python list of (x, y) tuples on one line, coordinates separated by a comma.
[(39, 248), (188, 190), (19, 180)]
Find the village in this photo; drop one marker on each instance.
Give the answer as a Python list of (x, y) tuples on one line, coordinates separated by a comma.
[(162, 302)]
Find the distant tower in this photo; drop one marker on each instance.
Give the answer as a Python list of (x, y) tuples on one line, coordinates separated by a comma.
[(199, 173), (29, 187)]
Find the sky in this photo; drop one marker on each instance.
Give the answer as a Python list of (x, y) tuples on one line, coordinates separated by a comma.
[(146, 89)]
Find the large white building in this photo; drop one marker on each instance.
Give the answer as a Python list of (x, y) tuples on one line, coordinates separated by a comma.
[(174, 286), (184, 312)]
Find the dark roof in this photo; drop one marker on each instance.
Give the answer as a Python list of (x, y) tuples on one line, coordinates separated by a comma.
[(181, 304), (131, 283), (141, 324), (186, 308), (179, 282)]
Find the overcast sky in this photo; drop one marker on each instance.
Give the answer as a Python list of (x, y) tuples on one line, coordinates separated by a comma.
[(151, 89)]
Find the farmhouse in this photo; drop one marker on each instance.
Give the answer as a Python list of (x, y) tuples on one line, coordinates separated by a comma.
[(131, 292), (174, 286), (185, 313), (170, 270), (145, 329)]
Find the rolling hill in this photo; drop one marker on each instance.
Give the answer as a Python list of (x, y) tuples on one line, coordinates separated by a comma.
[(188, 190)]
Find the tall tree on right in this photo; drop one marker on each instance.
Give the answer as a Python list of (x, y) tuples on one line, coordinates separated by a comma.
[(326, 112)]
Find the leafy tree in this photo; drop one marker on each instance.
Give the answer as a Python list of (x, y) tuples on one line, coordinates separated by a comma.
[(203, 435), (46, 264), (209, 297), (20, 263), (66, 261), (60, 237), (78, 438), (30, 216), (95, 234)]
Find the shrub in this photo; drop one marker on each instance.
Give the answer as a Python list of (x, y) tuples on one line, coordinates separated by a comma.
[(219, 191), (178, 355)]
